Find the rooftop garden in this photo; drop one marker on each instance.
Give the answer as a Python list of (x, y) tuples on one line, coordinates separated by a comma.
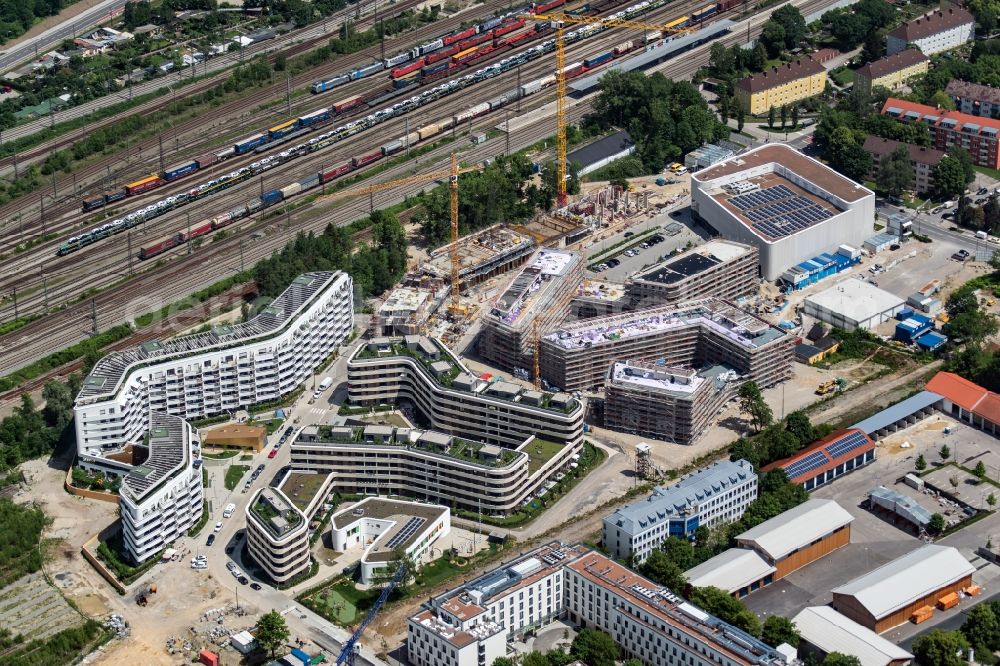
[(465, 450), (264, 510), (540, 451), (302, 488)]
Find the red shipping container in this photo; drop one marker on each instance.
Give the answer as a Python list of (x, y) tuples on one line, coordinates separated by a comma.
[(208, 658)]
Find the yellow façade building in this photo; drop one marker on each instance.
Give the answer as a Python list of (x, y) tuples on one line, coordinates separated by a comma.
[(782, 85), (892, 71)]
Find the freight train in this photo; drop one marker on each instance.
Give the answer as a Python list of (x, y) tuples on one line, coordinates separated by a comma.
[(340, 133)]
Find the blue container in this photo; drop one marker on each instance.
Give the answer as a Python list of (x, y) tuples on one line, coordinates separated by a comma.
[(434, 69), (271, 198), (175, 172), (248, 144), (904, 314), (598, 60)]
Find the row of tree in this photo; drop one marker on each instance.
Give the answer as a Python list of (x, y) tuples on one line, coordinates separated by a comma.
[(980, 632), (30, 432)]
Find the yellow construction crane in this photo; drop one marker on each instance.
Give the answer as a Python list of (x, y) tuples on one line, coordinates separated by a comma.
[(452, 174), (559, 20)]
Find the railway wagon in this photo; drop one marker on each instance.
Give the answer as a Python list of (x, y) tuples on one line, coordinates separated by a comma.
[(397, 59), (282, 130), (470, 113), (162, 246), (429, 47), (328, 84), (542, 7), (202, 230), (206, 161), (508, 28), (400, 72), (459, 36), (290, 190), (271, 198), (335, 172), (179, 170), (624, 47), (315, 118), (93, 204), (244, 146), (433, 69), (392, 147), (726, 5), (117, 195), (464, 56), (676, 24), (406, 80), (349, 103), (704, 13), (364, 160), (427, 131), (144, 185)]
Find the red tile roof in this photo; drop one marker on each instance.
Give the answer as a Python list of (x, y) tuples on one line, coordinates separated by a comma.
[(989, 407), (821, 445), (938, 116), (960, 391), (890, 64), (932, 24)]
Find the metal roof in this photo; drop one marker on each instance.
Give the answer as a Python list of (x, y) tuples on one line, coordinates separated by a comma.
[(730, 570), (797, 527), (902, 581), (169, 454), (830, 631), (900, 410), (690, 491), (610, 146), (901, 504)]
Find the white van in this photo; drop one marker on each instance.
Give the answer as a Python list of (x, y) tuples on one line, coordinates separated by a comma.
[(228, 511), (325, 384)]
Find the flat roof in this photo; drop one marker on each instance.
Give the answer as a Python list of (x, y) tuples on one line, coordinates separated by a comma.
[(301, 488), (672, 381), (812, 170), (609, 146), (855, 299), (797, 527), (902, 581), (730, 570), (830, 631), (412, 519), (534, 285), (168, 454), (716, 315), (694, 261)]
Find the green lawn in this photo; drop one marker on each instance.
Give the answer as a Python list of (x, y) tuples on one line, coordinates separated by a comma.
[(234, 474), (540, 452), (386, 419), (992, 173), (340, 602), (843, 76), (221, 456), (436, 572)]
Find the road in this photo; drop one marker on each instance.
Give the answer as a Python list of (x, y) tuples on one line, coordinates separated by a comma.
[(68, 29)]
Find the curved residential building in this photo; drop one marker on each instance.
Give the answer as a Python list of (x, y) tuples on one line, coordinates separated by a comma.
[(204, 374), (423, 372), (429, 466), (162, 498), (278, 523)]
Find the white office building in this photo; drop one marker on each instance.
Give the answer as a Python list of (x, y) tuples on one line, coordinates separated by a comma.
[(787, 205), (162, 498), (710, 496), (205, 374), (384, 528), (472, 624)]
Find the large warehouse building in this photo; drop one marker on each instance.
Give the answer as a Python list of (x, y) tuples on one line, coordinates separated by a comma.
[(535, 301), (822, 461), (800, 535), (789, 206), (852, 304), (738, 571), (890, 595), (695, 334), (823, 630)]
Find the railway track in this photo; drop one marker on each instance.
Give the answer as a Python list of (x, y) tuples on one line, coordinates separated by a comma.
[(207, 266)]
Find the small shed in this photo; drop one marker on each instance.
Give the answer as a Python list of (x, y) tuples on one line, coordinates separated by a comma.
[(243, 642)]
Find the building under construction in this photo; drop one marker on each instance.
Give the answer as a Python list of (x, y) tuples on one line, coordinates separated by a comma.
[(694, 334), (719, 268), (407, 309), (482, 255), (670, 404), (535, 301)]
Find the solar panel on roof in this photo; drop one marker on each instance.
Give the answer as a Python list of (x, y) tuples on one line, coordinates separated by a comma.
[(402, 535), (813, 461), (853, 441)]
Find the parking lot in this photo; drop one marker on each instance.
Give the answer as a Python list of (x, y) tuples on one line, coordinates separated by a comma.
[(876, 540)]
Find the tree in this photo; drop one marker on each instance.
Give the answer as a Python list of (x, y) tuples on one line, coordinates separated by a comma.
[(594, 648), (722, 605), (770, 117), (849, 29), (991, 499), (982, 627), (632, 662), (944, 452), (744, 449), (504, 661), (967, 320), (799, 425), (659, 568), (921, 463), (847, 155), (740, 117), (950, 176), (721, 60), (941, 648), (841, 659), (980, 470), (896, 172), (535, 659), (942, 100), (778, 630), (772, 36), (272, 632), (793, 24), (752, 404), (784, 115), (874, 47), (795, 115), (936, 524)]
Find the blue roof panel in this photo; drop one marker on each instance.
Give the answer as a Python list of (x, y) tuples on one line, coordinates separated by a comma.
[(900, 410)]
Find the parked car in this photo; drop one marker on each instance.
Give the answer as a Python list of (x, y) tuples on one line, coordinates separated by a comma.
[(254, 586), (273, 453), (211, 540), (218, 526), (243, 580)]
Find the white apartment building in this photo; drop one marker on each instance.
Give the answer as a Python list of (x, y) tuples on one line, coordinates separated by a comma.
[(471, 625), (162, 498), (420, 373), (716, 494), (205, 374), (278, 523), (941, 30), (425, 465), (385, 527)]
